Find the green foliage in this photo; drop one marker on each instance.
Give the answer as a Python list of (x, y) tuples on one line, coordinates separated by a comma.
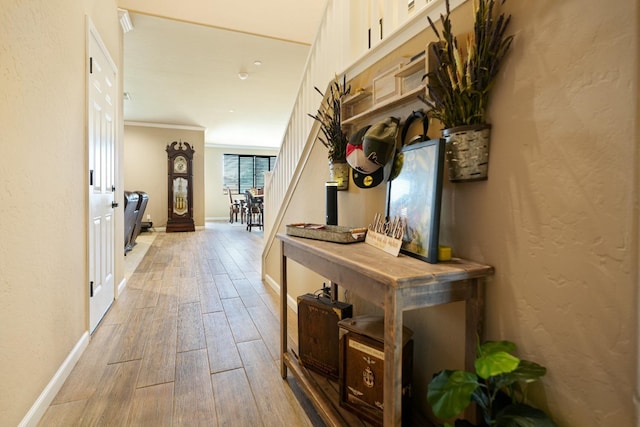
[(495, 387), (459, 86), (494, 359), (329, 117), (450, 392), (523, 416)]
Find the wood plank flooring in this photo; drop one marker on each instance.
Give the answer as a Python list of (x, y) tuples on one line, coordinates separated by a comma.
[(192, 341)]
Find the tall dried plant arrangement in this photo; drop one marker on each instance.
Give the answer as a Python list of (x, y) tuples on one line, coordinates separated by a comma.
[(459, 86), (329, 117)]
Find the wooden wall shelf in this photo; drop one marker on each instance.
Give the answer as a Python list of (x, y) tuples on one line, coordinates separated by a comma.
[(388, 104), (412, 67), (357, 97), (386, 92)]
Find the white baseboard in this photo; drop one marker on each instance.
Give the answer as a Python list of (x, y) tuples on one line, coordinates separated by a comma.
[(121, 286), (291, 302), (49, 393), (216, 218), (164, 229)]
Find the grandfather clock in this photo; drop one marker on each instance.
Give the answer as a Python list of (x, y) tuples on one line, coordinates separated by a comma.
[(180, 174)]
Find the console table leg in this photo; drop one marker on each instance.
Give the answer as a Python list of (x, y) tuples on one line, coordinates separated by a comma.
[(283, 312), (392, 414)]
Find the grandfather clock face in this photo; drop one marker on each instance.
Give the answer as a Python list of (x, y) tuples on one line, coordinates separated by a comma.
[(180, 190), (180, 164)]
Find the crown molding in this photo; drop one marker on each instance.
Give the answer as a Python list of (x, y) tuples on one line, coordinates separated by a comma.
[(240, 147), (164, 125)]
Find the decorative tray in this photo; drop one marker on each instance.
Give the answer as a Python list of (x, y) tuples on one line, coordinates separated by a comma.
[(328, 233)]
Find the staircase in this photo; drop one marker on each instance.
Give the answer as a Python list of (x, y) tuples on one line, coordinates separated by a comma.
[(341, 47)]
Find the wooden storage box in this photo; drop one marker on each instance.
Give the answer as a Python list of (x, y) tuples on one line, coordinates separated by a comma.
[(386, 85), (362, 368), (318, 341)]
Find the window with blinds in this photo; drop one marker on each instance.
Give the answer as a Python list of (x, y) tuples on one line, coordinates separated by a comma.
[(242, 172)]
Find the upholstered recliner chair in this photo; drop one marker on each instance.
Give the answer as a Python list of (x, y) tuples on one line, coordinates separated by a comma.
[(140, 208), (135, 203), (131, 199)]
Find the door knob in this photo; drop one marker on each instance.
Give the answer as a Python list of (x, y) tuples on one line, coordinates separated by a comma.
[(114, 204)]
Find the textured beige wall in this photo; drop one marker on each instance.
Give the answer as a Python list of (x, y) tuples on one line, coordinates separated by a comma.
[(43, 185), (145, 167), (557, 217), (216, 203)]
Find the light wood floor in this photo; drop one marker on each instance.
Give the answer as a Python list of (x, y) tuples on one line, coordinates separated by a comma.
[(192, 341)]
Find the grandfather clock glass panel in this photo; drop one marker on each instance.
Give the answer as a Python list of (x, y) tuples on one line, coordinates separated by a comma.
[(180, 196), (180, 181)]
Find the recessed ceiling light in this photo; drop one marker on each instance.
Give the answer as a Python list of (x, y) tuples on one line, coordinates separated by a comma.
[(257, 62), (243, 75)]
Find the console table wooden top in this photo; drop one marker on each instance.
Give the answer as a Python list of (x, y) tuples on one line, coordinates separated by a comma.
[(394, 283), (372, 272)]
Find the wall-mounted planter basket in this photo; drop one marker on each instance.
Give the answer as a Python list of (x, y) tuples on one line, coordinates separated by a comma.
[(467, 152), (339, 172)]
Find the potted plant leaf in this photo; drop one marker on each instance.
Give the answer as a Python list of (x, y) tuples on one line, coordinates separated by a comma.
[(460, 83), (332, 136), (496, 388)]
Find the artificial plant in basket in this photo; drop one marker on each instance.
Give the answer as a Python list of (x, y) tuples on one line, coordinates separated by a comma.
[(496, 388), (332, 136), (460, 83)]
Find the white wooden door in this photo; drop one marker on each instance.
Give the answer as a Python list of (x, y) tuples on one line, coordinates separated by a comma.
[(102, 95)]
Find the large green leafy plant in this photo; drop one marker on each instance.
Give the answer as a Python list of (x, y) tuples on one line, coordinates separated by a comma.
[(496, 387), (458, 88), (329, 117)]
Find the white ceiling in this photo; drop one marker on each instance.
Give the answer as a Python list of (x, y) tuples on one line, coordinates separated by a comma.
[(186, 73)]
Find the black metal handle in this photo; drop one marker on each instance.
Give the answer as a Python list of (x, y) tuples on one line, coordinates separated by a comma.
[(114, 204)]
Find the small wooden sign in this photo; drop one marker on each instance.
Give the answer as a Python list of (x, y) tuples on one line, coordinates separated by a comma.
[(386, 234)]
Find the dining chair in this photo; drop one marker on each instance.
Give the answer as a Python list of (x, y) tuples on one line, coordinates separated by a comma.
[(234, 208), (254, 210)]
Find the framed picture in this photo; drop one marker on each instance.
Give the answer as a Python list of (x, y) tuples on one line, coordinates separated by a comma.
[(415, 196)]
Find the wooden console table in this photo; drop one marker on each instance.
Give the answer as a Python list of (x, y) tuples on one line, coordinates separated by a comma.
[(394, 283)]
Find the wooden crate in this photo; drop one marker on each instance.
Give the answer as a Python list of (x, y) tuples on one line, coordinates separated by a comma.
[(362, 368), (318, 341)]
